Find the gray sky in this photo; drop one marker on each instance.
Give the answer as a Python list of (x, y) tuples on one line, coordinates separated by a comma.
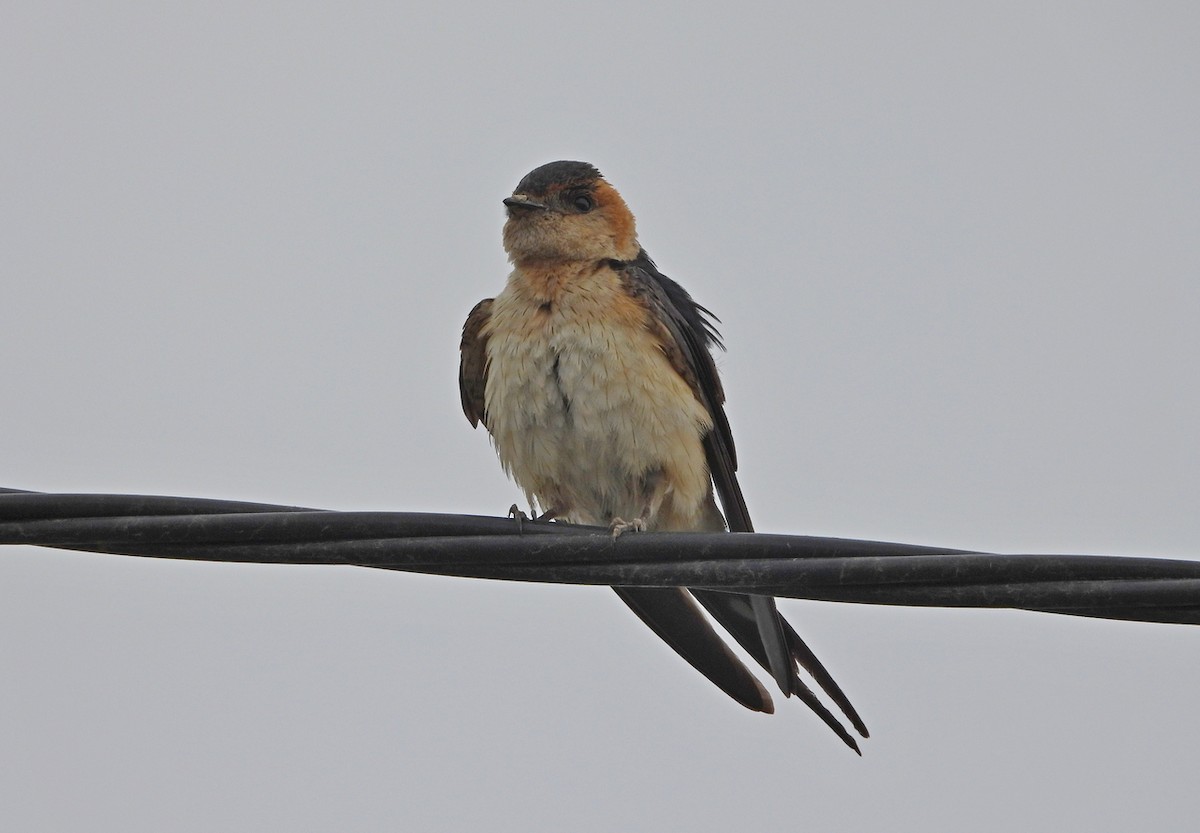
[(955, 249)]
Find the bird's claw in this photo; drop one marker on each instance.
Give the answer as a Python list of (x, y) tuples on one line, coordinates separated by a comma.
[(620, 527), (515, 512)]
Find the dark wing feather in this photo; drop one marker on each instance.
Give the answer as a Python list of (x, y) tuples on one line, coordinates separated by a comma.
[(771, 641), (671, 612), (694, 335), (691, 328), (472, 367), (736, 615), (690, 337)]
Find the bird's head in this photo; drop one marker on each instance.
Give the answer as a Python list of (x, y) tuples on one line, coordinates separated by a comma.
[(567, 212)]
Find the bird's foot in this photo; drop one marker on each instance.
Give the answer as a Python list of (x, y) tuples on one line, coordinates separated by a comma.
[(519, 516), (620, 527)]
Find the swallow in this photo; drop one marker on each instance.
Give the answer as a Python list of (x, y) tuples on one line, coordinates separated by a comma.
[(593, 373)]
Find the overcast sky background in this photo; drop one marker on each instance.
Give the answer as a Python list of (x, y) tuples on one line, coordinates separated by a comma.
[(956, 251)]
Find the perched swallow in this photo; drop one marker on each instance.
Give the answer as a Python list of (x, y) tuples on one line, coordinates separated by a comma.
[(593, 373)]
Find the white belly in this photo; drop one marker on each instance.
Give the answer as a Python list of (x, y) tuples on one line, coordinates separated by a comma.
[(583, 408)]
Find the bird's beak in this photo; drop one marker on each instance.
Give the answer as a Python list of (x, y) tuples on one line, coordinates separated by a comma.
[(523, 201)]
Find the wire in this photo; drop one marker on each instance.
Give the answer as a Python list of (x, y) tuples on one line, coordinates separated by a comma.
[(800, 567)]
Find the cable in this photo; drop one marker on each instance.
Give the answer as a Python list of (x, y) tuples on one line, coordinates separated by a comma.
[(800, 567)]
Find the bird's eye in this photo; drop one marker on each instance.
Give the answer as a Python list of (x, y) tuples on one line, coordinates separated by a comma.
[(583, 203)]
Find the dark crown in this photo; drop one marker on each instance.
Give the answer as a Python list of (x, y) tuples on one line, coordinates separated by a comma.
[(540, 180)]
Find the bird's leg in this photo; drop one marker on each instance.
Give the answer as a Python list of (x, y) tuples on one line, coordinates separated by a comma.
[(517, 514), (654, 487), (619, 527)]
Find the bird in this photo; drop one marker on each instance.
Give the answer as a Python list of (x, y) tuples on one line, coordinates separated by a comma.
[(593, 373)]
